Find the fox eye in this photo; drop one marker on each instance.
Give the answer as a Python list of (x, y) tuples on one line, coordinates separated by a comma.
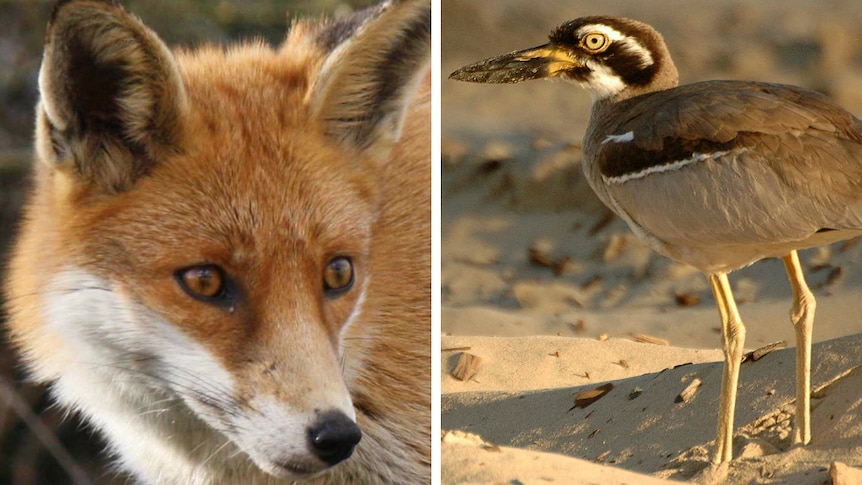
[(205, 282), (338, 275)]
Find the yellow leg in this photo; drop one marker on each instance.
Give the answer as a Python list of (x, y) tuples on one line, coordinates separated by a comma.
[(802, 316), (733, 331)]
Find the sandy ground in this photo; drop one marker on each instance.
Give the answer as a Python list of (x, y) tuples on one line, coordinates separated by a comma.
[(535, 270)]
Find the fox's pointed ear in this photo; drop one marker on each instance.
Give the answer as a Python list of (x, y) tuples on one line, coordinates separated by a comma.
[(376, 60), (112, 100)]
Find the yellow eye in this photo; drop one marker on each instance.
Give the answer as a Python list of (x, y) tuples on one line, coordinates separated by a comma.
[(595, 42), (204, 282), (338, 275)]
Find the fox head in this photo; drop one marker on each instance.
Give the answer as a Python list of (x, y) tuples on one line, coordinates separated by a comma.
[(202, 222)]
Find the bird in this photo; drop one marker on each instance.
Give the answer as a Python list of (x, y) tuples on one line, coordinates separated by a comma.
[(715, 174)]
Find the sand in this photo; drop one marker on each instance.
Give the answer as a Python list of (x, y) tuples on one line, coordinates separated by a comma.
[(549, 290)]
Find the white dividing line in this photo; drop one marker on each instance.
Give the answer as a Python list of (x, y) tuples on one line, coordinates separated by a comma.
[(669, 167)]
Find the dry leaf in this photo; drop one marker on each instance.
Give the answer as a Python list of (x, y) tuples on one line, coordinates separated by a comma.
[(614, 248), (606, 219), (687, 299), (467, 366), (649, 339), (688, 393), (848, 244), (586, 398), (538, 256), (578, 327), (758, 354), (834, 276), (591, 281), (560, 266)]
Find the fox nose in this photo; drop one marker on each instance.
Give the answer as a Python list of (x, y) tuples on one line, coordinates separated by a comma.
[(333, 437)]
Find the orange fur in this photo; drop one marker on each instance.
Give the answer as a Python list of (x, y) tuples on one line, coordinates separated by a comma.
[(223, 157)]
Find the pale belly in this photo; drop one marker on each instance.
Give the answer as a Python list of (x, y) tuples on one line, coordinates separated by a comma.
[(687, 216)]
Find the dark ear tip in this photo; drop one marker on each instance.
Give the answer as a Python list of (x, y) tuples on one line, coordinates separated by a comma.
[(59, 4)]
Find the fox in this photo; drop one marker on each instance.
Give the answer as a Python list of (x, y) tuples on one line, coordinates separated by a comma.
[(224, 262)]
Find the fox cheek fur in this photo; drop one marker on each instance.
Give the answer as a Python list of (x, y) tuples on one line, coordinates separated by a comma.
[(225, 260)]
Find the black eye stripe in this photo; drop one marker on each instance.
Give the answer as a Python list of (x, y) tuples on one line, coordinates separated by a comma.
[(628, 64)]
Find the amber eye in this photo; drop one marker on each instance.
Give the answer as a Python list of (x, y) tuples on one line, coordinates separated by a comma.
[(338, 275), (205, 282), (595, 42)]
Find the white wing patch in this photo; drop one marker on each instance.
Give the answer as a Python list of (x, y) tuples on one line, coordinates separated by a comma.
[(624, 138)]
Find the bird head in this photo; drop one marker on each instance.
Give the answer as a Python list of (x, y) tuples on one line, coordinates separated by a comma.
[(614, 58)]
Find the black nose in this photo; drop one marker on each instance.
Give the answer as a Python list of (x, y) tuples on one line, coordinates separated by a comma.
[(333, 437)]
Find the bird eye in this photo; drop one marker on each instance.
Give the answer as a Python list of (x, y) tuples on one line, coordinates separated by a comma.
[(595, 42), (205, 282), (338, 275)]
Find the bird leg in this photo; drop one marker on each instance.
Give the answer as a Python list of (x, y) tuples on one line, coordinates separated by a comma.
[(733, 332), (802, 316)]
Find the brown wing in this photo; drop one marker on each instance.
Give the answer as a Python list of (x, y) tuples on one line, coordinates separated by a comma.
[(721, 115), (733, 163)]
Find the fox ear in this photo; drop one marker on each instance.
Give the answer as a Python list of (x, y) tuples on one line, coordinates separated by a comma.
[(112, 99), (376, 60)]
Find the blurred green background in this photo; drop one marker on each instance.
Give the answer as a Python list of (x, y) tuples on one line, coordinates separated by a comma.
[(24, 455)]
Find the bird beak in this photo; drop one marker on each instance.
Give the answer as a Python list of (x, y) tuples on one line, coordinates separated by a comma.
[(540, 62)]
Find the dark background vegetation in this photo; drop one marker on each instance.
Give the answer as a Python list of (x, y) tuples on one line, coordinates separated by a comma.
[(39, 444)]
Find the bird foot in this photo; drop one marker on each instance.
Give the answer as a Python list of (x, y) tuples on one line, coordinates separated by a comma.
[(714, 474)]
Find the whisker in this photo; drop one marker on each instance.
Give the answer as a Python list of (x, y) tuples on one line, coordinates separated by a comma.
[(214, 453)]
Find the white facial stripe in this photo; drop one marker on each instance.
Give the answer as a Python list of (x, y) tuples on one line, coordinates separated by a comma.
[(106, 329), (357, 308), (631, 43), (354, 315), (624, 138), (612, 33), (602, 83), (669, 167), (194, 370), (102, 369), (642, 52)]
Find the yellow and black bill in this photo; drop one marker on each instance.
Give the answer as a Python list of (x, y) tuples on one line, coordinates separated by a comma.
[(540, 62)]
